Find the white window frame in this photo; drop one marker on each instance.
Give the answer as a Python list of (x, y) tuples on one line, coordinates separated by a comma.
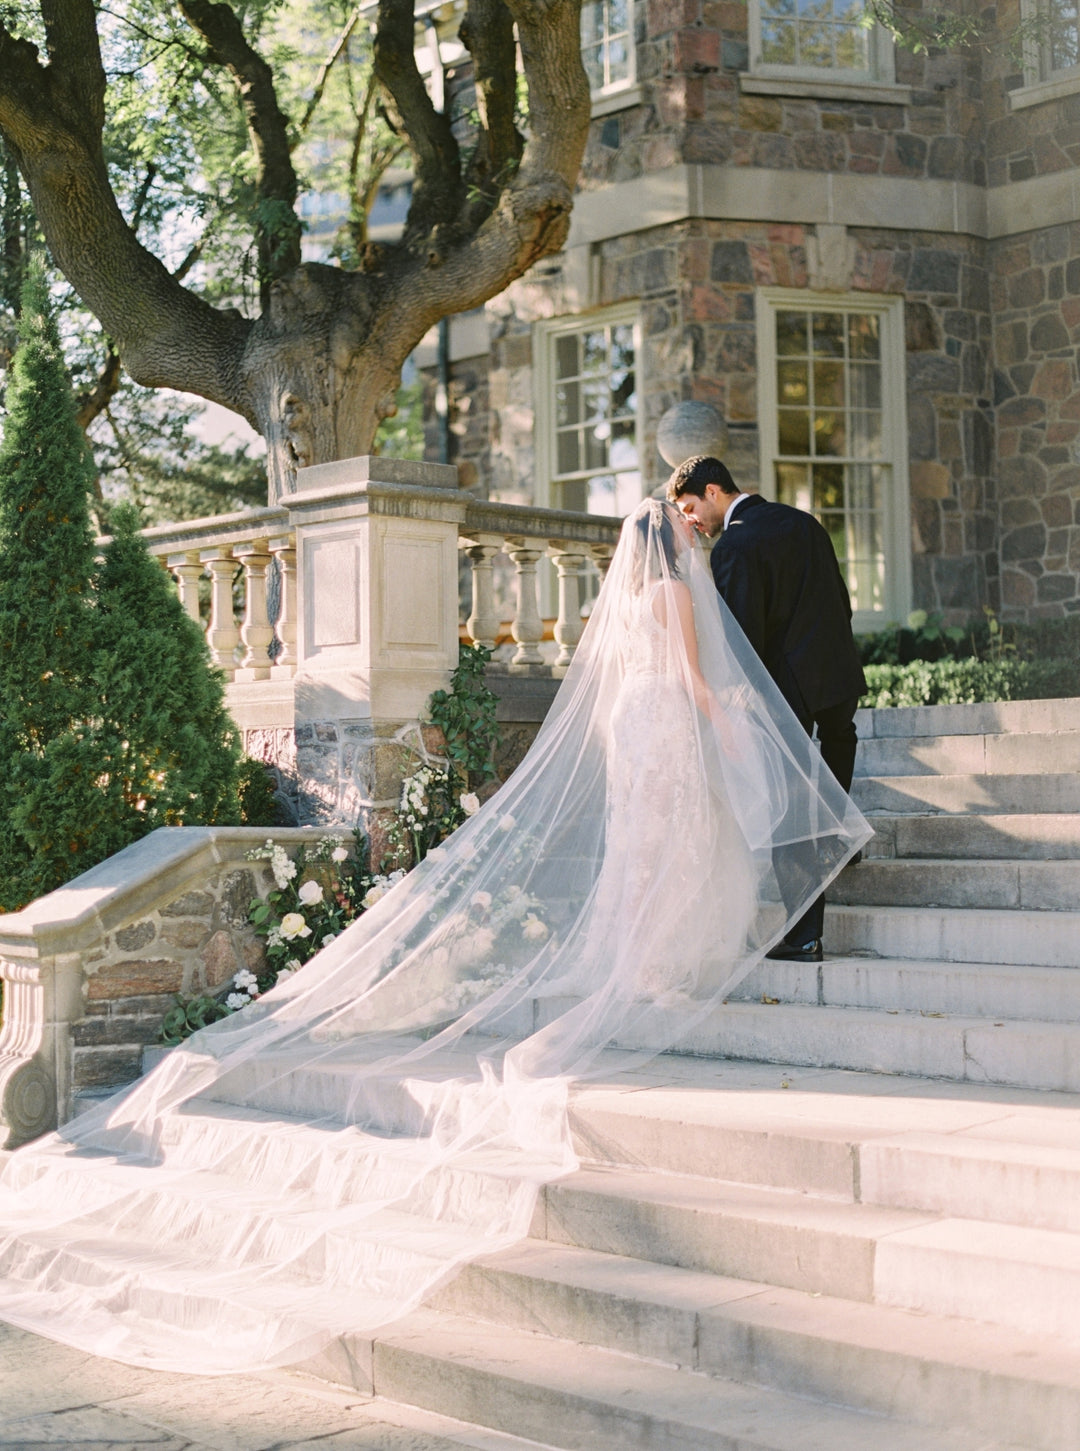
[(615, 91), (1040, 82), (897, 523), (545, 334), (881, 72)]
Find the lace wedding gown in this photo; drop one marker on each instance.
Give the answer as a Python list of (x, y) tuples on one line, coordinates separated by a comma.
[(318, 1163)]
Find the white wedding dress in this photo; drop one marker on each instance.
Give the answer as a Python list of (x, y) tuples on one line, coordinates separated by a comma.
[(318, 1163)]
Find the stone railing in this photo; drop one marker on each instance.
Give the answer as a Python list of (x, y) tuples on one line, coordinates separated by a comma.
[(254, 648), (526, 535), (90, 970), (330, 684)]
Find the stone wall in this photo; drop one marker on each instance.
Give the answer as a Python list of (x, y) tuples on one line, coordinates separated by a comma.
[(90, 970)]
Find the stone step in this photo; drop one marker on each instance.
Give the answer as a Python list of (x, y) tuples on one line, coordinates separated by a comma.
[(906, 985), (1029, 1054), (991, 1154), (970, 795), (901, 881), (934, 1370), (581, 1396), (1019, 1277), (974, 755), (1048, 717), (955, 934), (1049, 836)]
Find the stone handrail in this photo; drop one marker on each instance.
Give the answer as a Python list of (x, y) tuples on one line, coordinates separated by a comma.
[(526, 535), (254, 539), (261, 539)]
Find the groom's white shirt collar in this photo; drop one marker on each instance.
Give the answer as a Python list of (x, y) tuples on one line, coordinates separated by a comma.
[(734, 505)]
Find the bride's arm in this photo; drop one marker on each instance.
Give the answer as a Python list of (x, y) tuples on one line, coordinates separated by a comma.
[(704, 697)]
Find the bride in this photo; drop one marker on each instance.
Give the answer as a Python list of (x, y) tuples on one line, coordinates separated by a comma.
[(314, 1166)]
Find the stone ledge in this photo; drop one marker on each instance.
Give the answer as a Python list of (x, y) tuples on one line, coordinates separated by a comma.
[(879, 93)]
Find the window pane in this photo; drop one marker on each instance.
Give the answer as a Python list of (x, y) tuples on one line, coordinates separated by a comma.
[(624, 445), (829, 334), (794, 431), (568, 452), (567, 403), (778, 43), (618, 16), (602, 494), (793, 486), (791, 382), (566, 357), (866, 435), (829, 434), (864, 488), (592, 22), (791, 332), (593, 352), (863, 339), (828, 385), (828, 487), (596, 451), (865, 385)]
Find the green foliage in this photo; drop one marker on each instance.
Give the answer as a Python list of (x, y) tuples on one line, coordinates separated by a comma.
[(188, 1015), (402, 435), (966, 682), (925, 637), (257, 789), (112, 720), (48, 752), (466, 715)]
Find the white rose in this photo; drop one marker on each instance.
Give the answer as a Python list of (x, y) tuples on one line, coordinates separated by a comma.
[(533, 928), (237, 1000), (293, 926), (470, 802), (507, 823), (483, 941), (482, 900), (373, 895), (339, 854), (310, 893)]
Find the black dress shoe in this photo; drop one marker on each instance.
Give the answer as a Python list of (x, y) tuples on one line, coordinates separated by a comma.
[(787, 952)]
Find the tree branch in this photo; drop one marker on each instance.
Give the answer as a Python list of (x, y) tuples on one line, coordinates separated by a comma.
[(165, 335), (94, 402), (438, 192), (277, 228), (487, 31), (324, 74)]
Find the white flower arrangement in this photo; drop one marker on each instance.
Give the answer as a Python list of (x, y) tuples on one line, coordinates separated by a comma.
[(469, 802), (294, 925)]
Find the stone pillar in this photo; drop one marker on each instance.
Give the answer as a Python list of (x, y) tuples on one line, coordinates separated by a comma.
[(377, 626)]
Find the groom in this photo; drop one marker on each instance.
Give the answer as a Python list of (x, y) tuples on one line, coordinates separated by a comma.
[(776, 569)]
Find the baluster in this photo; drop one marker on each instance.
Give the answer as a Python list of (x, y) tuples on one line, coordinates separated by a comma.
[(527, 628), (256, 632), (187, 570), (484, 621), (568, 561), (601, 556), (222, 636), (284, 551)]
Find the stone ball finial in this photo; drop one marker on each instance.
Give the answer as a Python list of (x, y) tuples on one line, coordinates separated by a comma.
[(689, 429)]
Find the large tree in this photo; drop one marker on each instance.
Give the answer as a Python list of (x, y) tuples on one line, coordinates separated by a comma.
[(316, 364)]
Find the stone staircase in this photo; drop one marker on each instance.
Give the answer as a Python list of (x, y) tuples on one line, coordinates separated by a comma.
[(848, 1215)]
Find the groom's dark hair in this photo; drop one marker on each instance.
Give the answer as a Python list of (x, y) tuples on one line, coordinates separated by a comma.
[(696, 474)]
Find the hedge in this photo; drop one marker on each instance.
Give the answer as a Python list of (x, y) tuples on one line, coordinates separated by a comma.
[(967, 682)]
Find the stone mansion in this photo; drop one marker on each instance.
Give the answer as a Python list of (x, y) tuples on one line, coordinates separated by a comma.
[(868, 260)]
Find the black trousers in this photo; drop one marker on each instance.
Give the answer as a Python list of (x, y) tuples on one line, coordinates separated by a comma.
[(835, 728)]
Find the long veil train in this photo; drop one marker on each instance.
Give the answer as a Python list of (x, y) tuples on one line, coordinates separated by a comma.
[(318, 1163)]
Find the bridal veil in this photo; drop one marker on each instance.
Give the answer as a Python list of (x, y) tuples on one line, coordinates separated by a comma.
[(316, 1164)]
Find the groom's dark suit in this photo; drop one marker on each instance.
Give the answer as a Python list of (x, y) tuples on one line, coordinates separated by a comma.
[(776, 570)]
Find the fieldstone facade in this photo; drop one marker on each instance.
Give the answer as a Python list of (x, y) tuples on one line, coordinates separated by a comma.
[(948, 185)]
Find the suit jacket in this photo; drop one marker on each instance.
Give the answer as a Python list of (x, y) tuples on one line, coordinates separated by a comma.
[(776, 570)]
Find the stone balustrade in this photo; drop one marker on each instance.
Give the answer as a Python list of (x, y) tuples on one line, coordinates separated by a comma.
[(260, 541), (526, 535)]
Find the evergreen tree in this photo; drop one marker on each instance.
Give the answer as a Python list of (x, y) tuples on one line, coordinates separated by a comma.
[(112, 719), (174, 750), (52, 805)]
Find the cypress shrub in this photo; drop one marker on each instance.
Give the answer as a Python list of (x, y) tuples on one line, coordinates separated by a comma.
[(112, 719)]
